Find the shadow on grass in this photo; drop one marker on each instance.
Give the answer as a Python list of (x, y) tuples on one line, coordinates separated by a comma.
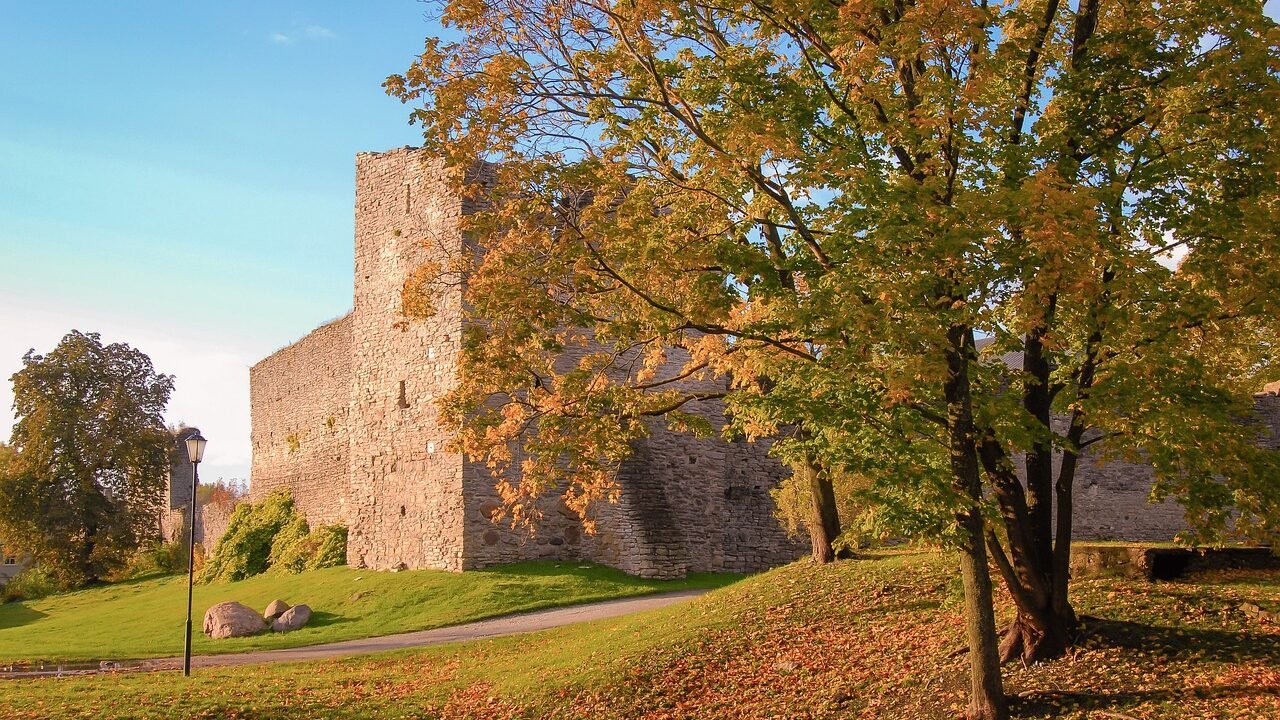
[(325, 619), (16, 615), (1051, 704), (1178, 643), (1217, 645)]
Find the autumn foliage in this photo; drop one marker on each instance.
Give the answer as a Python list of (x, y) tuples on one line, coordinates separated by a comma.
[(816, 211)]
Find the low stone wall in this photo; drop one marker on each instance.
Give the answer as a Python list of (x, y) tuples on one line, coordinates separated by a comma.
[(1163, 563)]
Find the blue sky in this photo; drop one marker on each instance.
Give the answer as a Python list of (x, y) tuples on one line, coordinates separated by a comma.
[(179, 176)]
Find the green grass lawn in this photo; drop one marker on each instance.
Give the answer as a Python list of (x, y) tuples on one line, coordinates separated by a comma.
[(868, 638), (145, 618)]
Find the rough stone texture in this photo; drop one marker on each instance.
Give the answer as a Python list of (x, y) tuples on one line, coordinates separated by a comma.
[(299, 400), (291, 619), (1163, 563), (275, 609), (406, 490), (687, 504), (231, 619), (1111, 498)]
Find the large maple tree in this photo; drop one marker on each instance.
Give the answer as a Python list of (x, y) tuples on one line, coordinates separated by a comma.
[(818, 211)]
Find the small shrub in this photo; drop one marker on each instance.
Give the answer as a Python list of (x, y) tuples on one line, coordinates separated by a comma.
[(272, 535), (30, 584), (290, 548), (163, 558), (245, 549), (295, 549), (331, 549)]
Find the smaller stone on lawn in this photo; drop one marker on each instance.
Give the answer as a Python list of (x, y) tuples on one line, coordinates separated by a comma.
[(292, 619), (275, 609)]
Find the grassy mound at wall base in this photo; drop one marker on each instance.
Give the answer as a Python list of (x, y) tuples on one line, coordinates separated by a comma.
[(861, 639)]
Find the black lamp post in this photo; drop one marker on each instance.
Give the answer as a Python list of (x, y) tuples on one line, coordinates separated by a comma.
[(195, 453)]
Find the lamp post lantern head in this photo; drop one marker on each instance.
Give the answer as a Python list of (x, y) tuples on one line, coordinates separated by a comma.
[(195, 447)]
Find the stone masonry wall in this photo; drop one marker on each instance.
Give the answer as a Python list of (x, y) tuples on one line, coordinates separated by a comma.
[(211, 520), (406, 489), (1110, 498), (299, 399), (686, 504)]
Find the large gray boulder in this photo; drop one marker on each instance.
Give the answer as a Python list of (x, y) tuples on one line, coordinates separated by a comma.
[(292, 619), (275, 609), (231, 619)]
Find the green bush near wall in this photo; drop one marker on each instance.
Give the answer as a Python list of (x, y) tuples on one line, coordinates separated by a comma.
[(271, 535)]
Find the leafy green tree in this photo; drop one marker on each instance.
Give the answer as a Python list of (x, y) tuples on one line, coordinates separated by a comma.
[(846, 198), (80, 491)]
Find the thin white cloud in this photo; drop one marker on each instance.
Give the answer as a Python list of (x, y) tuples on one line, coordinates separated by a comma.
[(309, 32)]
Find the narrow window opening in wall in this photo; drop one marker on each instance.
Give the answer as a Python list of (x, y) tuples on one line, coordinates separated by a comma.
[(431, 447), (403, 402), (408, 197), (401, 511)]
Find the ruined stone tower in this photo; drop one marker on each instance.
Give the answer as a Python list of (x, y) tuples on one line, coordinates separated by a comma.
[(346, 419)]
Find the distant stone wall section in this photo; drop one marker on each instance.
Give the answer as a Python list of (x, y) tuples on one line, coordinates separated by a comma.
[(1111, 498), (300, 399), (211, 520)]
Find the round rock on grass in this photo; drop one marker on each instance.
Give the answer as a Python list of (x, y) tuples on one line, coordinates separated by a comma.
[(275, 609), (231, 619), (292, 619)]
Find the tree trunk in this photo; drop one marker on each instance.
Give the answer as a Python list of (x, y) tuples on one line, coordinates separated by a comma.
[(986, 694), (824, 519), (986, 690), (87, 569)]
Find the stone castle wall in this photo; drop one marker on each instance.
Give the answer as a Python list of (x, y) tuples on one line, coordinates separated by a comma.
[(211, 520), (300, 402), (346, 418), (411, 503), (1110, 500)]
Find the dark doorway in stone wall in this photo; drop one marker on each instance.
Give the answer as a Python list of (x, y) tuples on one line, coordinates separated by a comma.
[(1169, 564)]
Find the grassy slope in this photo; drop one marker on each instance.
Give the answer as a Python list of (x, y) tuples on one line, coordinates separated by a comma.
[(864, 639), (145, 618)]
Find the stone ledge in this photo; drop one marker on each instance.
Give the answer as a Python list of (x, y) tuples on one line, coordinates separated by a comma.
[(1164, 563)]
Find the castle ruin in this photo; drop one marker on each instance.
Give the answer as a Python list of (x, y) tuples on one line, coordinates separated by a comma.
[(345, 418)]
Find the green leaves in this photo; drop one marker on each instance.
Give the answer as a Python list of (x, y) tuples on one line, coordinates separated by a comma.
[(80, 488)]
